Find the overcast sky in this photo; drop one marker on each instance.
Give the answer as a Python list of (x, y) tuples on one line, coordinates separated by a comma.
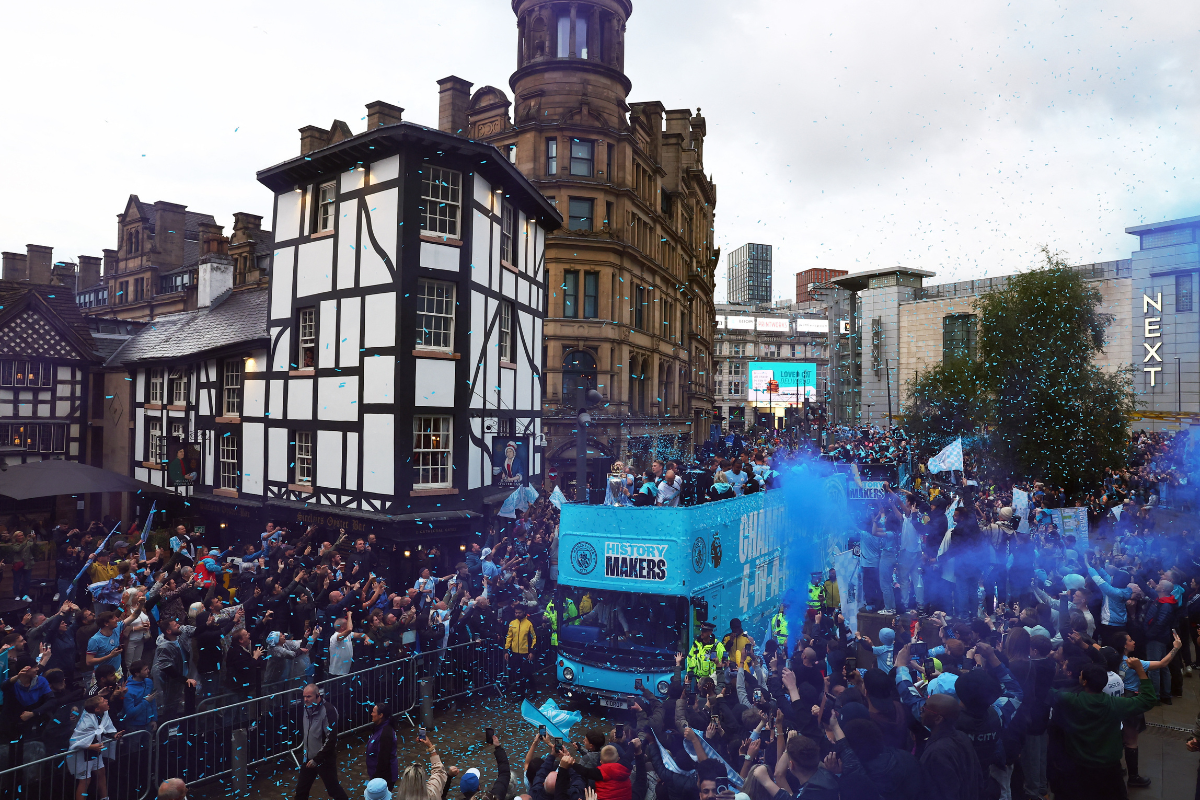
[(952, 137)]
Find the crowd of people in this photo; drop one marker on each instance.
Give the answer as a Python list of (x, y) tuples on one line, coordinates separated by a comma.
[(141, 639), (671, 483), (868, 444), (1016, 659)]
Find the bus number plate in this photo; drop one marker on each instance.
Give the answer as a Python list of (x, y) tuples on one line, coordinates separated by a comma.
[(610, 703)]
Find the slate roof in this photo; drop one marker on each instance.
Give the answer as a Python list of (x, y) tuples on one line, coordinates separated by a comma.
[(109, 343), (60, 299), (240, 318), (192, 220)]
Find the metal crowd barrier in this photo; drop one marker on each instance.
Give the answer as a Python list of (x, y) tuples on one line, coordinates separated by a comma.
[(222, 741), (128, 763), (217, 742)]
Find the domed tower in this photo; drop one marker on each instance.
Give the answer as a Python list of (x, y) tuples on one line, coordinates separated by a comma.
[(570, 55), (628, 278)]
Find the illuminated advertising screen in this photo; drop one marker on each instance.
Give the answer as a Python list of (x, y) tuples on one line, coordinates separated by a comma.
[(796, 382), (772, 325)]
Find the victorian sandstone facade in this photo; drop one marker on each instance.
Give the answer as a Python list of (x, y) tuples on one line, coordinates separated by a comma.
[(631, 275)]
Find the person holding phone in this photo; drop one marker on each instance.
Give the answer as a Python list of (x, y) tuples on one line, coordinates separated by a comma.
[(469, 783), (90, 746), (105, 645), (141, 709)]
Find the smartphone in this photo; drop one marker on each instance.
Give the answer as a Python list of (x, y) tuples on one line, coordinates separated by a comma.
[(716, 719), (488, 733), (918, 650), (620, 731), (851, 663), (692, 688), (541, 730), (722, 785), (637, 684), (421, 733), (557, 744), (758, 695), (832, 700), (930, 668)]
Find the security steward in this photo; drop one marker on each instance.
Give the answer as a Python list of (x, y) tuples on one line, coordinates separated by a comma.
[(779, 626), (518, 652), (551, 614), (706, 653)]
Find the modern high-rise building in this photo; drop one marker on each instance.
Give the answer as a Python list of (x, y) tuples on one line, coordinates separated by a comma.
[(750, 275)]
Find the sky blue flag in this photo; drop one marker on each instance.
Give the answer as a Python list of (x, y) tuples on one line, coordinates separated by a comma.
[(146, 531), (669, 761), (88, 563), (951, 458), (536, 718)]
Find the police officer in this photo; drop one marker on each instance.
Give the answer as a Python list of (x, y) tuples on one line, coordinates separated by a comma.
[(816, 591), (706, 653), (779, 626)]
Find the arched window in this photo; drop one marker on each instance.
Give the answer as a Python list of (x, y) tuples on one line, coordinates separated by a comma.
[(578, 369)]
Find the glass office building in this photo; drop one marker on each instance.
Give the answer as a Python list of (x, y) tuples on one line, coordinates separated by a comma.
[(750, 275)]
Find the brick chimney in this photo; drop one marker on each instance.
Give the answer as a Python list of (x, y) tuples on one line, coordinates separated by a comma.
[(312, 138), (380, 113), (64, 273), (110, 263), (246, 227), (89, 273), (216, 266), (454, 94), (41, 263), (15, 267)]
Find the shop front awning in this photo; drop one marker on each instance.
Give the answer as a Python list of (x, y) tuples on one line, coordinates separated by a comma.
[(57, 477)]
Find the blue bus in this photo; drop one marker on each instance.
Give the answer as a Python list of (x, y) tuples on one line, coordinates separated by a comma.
[(643, 579)]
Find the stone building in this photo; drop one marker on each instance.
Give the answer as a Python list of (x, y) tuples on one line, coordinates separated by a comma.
[(792, 346), (154, 269), (630, 276), (890, 326)]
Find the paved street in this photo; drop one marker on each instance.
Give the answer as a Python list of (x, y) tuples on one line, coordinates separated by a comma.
[(459, 736)]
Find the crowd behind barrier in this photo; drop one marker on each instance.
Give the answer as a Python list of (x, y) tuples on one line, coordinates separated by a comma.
[(204, 746), (1020, 617)]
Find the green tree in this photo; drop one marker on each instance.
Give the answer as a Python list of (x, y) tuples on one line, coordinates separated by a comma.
[(946, 401), (1043, 407)]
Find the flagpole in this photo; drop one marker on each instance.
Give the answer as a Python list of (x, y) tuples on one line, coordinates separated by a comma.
[(91, 558)]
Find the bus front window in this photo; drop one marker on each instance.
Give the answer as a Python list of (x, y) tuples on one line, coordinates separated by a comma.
[(627, 620)]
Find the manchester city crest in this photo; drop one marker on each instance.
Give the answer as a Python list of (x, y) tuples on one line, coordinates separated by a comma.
[(583, 557)]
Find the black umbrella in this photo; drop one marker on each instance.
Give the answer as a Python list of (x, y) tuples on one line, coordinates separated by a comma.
[(49, 478)]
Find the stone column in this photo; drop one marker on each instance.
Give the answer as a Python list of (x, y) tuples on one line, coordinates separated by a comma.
[(571, 35), (594, 35), (521, 57)]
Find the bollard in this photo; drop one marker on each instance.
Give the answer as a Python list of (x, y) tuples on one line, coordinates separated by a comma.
[(426, 702), (238, 759)]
